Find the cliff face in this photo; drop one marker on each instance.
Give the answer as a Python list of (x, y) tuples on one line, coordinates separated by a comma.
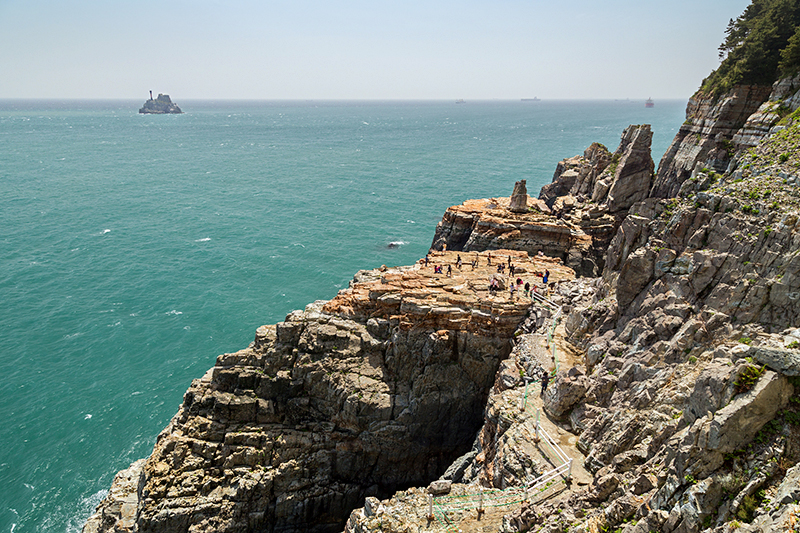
[(589, 197), (683, 392), (675, 390), (718, 131), (705, 139), (375, 390)]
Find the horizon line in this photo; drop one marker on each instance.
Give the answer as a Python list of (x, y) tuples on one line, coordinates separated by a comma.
[(454, 100)]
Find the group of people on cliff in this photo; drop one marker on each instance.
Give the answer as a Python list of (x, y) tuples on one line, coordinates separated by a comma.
[(516, 286)]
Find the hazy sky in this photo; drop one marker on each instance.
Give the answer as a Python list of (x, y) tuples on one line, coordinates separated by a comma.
[(360, 49)]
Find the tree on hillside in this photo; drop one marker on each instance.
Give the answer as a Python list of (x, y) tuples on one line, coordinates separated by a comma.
[(760, 45)]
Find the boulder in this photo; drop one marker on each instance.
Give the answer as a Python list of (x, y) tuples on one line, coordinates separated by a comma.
[(636, 273), (786, 362), (738, 422), (567, 389), (789, 489)]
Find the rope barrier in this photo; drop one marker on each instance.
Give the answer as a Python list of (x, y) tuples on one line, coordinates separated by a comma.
[(496, 498)]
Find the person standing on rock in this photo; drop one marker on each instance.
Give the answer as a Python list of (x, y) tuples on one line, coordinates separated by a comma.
[(545, 382), (449, 271), (527, 289), (546, 275)]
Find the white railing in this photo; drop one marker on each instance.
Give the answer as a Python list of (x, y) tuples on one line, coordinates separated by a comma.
[(439, 506)]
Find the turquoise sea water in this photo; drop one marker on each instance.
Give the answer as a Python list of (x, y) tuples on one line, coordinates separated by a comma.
[(135, 249)]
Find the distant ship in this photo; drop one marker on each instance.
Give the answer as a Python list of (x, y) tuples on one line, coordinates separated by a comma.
[(460, 101), (649, 103), (534, 99)]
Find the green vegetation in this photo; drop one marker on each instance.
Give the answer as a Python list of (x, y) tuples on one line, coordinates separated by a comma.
[(612, 167), (747, 510), (762, 44), (748, 378)]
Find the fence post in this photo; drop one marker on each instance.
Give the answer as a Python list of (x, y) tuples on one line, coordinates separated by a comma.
[(430, 507), (480, 506), (524, 400), (569, 472), (537, 425)]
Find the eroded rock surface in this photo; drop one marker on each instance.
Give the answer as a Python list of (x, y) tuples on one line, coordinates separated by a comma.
[(676, 389), (685, 403), (380, 388), (574, 218)]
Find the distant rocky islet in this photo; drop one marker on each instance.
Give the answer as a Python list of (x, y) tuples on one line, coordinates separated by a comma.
[(160, 106)]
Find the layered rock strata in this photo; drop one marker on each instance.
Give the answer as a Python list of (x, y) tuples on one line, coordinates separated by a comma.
[(375, 390), (686, 398), (705, 138), (718, 131), (575, 216)]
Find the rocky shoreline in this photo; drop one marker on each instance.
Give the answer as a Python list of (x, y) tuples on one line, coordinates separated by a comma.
[(676, 396)]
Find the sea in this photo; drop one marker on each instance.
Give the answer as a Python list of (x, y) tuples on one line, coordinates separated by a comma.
[(136, 248)]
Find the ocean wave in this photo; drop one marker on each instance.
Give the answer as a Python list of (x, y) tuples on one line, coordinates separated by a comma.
[(204, 239), (77, 517), (174, 312), (396, 244)]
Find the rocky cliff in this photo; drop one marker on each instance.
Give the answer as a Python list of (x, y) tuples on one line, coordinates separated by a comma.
[(375, 390), (675, 363), (675, 392), (720, 129), (684, 394), (159, 106), (589, 196)]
